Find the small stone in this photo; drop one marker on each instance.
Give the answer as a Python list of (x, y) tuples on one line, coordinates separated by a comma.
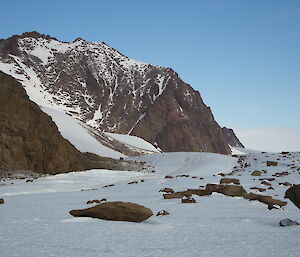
[(288, 222), (162, 213), (188, 200), (256, 173)]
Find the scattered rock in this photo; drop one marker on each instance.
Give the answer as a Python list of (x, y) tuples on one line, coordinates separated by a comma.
[(167, 190), (285, 152), (188, 199), (162, 213), (29, 180), (265, 199), (182, 176), (266, 183), (281, 174), (271, 163), (258, 188), (111, 185), (132, 182), (270, 188), (199, 192), (287, 184), (269, 179), (96, 201), (168, 176), (256, 173), (177, 195), (288, 222), (88, 189), (116, 211), (229, 180)]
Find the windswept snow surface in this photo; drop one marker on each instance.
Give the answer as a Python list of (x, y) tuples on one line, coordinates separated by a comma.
[(37, 223), (134, 141), (72, 130)]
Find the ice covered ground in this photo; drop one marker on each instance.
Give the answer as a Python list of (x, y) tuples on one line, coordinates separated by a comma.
[(35, 220), (134, 141)]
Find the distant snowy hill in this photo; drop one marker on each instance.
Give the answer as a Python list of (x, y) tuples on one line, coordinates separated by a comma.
[(109, 91)]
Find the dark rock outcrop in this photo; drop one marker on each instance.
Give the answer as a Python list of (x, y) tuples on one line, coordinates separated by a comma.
[(231, 137), (30, 140), (116, 211), (1, 201), (109, 91)]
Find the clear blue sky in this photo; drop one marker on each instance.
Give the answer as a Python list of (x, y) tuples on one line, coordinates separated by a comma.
[(243, 56)]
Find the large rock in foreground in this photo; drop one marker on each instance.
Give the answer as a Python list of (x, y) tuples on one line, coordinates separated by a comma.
[(117, 211), (293, 193)]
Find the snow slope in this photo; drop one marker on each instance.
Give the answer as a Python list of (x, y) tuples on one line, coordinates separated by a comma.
[(134, 141), (72, 130), (37, 223)]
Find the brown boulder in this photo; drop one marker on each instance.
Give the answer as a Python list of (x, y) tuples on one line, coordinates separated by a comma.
[(116, 211), (229, 190), (293, 193), (256, 173), (271, 163)]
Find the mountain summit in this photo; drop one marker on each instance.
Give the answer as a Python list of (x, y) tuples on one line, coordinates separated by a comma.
[(111, 92)]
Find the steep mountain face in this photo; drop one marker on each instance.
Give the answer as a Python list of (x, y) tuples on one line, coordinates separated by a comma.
[(29, 139), (231, 137), (98, 85)]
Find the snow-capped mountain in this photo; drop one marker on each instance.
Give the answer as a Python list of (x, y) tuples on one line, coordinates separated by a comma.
[(109, 91)]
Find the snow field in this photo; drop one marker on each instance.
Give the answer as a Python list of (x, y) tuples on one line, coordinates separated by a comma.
[(38, 223)]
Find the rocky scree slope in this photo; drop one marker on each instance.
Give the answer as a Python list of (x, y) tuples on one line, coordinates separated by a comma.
[(30, 140), (98, 85)]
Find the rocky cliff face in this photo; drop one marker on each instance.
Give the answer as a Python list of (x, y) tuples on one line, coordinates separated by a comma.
[(231, 138), (98, 85), (29, 139)]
